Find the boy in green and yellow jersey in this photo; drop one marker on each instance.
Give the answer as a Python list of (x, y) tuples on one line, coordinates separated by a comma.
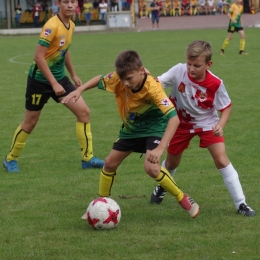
[(235, 25), (47, 80), (149, 121)]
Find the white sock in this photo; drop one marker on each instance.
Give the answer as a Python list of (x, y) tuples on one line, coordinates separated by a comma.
[(170, 171), (231, 180)]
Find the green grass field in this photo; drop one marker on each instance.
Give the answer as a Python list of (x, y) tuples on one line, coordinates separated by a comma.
[(40, 208)]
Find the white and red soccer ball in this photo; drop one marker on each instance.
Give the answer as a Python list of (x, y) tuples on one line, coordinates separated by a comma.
[(103, 213)]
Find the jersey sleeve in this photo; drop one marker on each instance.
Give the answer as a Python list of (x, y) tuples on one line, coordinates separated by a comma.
[(109, 82), (168, 79), (222, 100), (161, 100), (47, 34)]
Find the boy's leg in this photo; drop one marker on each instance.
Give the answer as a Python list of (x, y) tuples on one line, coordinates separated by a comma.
[(83, 131), (18, 143), (170, 163), (165, 180), (226, 42), (230, 178), (20, 136), (108, 173), (179, 142), (242, 42)]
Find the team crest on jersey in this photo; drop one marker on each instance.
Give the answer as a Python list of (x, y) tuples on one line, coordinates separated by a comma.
[(109, 76), (166, 102), (47, 32), (181, 87), (202, 96), (62, 42)]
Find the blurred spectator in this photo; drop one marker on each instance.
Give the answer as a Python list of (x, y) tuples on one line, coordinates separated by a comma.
[(185, 7), (36, 14), (76, 16), (128, 5), (80, 3), (124, 5), (95, 12), (221, 7), (202, 7), (143, 12), (18, 13), (55, 9), (103, 11), (193, 7), (167, 8), (210, 6), (155, 13), (253, 9), (246, 6), (176, 8), (114, 6), (44, 6), (87, 8), (160, 3)]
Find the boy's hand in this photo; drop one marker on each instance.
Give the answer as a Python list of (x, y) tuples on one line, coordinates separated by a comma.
[(74, 95), (217, 130), (77, 81), (154, 156), (58, 89)]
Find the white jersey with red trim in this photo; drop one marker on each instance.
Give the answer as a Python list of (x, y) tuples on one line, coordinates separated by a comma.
[(196, 103)]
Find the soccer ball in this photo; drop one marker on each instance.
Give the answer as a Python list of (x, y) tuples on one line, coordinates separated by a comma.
[(103, 213)]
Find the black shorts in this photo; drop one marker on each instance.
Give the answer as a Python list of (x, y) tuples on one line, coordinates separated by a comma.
[(233, 29), (38, 93), (138, 145)]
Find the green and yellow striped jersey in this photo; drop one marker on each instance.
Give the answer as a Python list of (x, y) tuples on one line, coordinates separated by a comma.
[(57, 38), (144, 113)]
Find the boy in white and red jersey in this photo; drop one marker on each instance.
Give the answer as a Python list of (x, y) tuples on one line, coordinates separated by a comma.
[(198, 95)]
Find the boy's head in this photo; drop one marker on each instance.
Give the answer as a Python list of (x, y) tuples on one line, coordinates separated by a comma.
[(197, 49), (67, 7), (198, 59), (129, 68)]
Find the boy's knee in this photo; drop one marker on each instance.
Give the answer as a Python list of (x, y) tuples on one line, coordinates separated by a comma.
[(152, 170), (110, 165)]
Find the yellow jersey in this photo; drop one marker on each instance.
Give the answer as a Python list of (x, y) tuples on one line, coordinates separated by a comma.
[(56, 37), (145, 112)]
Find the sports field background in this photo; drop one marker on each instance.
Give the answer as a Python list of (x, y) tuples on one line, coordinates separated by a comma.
[(40, 208)]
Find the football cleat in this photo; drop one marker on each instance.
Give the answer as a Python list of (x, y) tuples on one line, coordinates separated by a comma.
[(190, 206), (94, 162), (245, 210), (158, 194), (11, 166)]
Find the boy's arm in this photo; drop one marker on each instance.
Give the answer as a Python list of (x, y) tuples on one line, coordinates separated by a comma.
[(229, 14), (70, 68), (156, 154), (218, 129), (92, 83), (39, 58)]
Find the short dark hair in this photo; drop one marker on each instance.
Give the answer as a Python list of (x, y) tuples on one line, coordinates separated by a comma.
[(127, 61)]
